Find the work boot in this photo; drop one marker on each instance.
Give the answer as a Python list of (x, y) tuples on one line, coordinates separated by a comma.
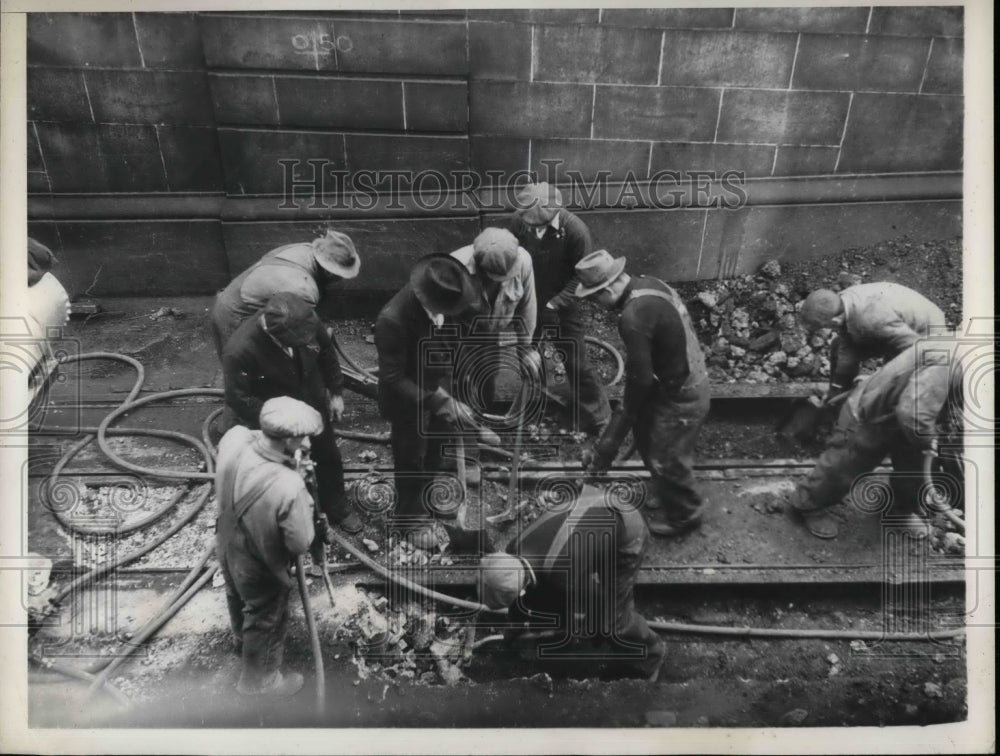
[(350, 524), (423, 538), (659, 525), (819, 522), (283, 686)]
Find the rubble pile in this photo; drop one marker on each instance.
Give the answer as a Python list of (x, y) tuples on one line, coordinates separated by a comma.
[(750, 331)]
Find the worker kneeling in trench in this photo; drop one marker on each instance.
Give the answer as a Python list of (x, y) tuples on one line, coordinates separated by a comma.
[(573, 570)]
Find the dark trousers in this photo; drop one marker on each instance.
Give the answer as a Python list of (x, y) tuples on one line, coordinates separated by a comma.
[(857, 448), (476, 373), (665, 435), (588, 399), (418, 441), (630, 626), (258, 612)]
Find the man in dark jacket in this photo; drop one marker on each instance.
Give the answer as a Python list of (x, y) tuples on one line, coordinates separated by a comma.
[(666, 388), (265, 521), (573, 571), (557, 240), (418, 335), (899, 410), (286, 351)]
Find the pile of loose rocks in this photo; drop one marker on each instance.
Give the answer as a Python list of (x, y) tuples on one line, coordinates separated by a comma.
[(750, 330)]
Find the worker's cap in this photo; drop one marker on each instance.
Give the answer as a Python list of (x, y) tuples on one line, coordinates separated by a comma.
[(284, 417), (290, 319), (597, 271), (537, 204), (819, 309), (495, 251), (502, 578), (335, 253)]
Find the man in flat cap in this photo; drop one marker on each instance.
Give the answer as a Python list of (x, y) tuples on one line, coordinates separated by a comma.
[(872, 320), (666, 388), (265, 521), (415, 333), (286, 351), (504, 272), (556, 240), (307, 269)]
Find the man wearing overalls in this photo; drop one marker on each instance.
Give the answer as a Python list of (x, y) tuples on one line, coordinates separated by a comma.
[(666, 388)]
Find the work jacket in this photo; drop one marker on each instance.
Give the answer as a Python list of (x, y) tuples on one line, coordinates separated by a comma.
[(514, 306), (554, 257), (265, 511), (414, 357), (575, 551), (917, 390), (256, 369), (880, 320)]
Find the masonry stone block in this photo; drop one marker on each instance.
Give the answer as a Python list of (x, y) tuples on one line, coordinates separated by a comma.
[(146, 258), (919, 21), (169, 40), (499, 51), (596, 54), (507, 155), (402, 47), (57, 94), (436, 106), (332, 103), (860, 63), (727, 58), (243, 99), (250, 161), (190, 158), (537, 15), (804, 19), (805, 161), (35, 162), (658, 113), (747, 159), (38, 182), (268, 42), (589, 158), (669, 18), (925, 133), (178, 97), (415, 154), (82, 39), (944, 69), (776, 117), (525, 109)]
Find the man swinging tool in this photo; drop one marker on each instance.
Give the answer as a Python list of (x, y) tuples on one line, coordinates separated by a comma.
[(574, 569), (666, 388), (265, 521)]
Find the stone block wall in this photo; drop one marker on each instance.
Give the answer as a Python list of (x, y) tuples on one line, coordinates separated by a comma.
[(160, 144)]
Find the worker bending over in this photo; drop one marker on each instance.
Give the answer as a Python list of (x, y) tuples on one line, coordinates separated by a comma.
[(265, 521), (557, 239), (871, 320), (573, 570), (286, 351), (666, 388), (899, 410), (306, 269), (417, 335)]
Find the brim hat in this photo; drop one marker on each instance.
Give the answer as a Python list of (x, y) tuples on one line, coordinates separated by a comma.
[(502, 578), (285, 417), (444, 286), (597, 271), (335, 253), (538, 204), (290, 319)]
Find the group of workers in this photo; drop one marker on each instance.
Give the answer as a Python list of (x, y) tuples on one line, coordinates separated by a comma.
[(283, 392)]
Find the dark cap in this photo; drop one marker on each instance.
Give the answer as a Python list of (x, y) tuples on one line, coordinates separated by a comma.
[(290, 319)]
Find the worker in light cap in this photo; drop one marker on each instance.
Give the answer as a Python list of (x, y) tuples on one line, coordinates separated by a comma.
[(310, 270), (576, 566), (265, 521), (505, 274), (286, 351), (557, 240), (871, 320)]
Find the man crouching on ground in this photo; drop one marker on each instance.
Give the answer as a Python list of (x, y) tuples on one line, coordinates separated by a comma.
[(265, 521)]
